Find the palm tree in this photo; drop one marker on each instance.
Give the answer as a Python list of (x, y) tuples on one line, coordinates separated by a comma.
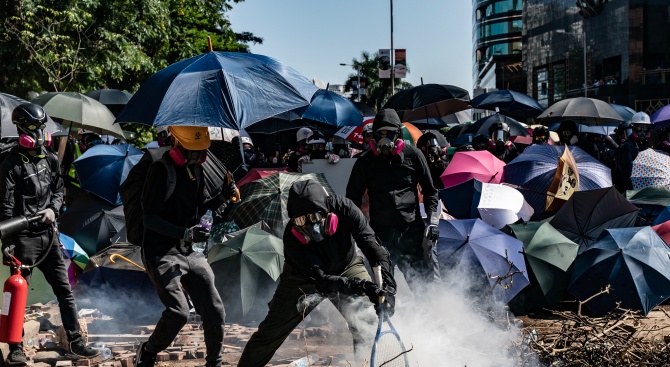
[(377, 90)]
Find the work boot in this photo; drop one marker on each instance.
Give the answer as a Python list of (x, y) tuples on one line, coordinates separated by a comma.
[(144, 358), (16, 357), (78, 348)]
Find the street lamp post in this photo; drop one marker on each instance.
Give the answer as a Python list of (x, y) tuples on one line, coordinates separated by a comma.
[(583, 34), (358, 75)]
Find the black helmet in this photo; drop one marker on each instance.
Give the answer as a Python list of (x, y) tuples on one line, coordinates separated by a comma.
[(540, 135), (29, 114), (499, 131), (480, 142)]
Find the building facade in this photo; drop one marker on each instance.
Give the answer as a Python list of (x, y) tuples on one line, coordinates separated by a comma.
[(614, 50), (497, 44)]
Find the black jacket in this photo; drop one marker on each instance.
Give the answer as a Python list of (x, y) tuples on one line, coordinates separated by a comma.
[(337, 251), (392, 186), (624, 156), (30, 184), (436, 170)]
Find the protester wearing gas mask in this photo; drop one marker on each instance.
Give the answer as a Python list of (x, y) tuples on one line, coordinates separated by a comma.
[(637, 134), (252, 157), (569, 135), (391, 172), (31, 185), (367, 137), (435, 157), (171, 227), (301, 152), (317, 146), (320, 258), (500, 145)]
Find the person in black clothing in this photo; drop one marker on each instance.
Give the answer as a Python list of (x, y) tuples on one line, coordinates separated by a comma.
[(31, 185), (171, 227), (541, 135), (320, 257), (435, 157), (391, 171), (637, 134), (569, 135), (500, 145), (302, 151)]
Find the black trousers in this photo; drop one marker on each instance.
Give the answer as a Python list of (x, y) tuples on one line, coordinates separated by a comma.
[(29, 249)]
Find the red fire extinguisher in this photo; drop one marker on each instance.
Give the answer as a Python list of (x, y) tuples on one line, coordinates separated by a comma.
[(14, 296)]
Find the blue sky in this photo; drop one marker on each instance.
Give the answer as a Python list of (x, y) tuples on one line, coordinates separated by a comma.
[(315, 36)]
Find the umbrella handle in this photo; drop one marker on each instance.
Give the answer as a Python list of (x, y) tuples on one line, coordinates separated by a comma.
[(113, 256), (236, 197)]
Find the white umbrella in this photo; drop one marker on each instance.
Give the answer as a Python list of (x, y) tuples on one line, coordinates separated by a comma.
[(500, 205), (78, 110)]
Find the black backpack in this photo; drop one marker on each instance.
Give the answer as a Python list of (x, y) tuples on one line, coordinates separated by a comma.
[(131, 192)]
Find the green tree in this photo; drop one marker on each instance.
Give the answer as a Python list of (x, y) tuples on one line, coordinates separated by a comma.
[(377, 90)]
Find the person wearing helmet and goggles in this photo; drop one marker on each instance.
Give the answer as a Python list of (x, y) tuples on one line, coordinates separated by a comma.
[(500, 145), (302, 151), (31, 186), (435, 157), (391, 172)]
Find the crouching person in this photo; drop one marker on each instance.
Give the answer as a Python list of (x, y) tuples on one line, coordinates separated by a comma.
[(320, 258)]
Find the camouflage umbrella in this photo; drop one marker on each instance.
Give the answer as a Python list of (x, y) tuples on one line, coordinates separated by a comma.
[(265, 200)]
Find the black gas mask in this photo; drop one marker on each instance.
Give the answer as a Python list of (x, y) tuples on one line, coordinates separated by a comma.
[(312, 227)]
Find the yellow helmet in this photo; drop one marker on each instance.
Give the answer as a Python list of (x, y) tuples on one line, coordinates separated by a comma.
[(191, 137)]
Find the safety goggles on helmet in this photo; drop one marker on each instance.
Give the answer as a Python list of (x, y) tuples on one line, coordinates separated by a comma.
[(309, 218), (388, 134), (431, 143), (33, 127), (499, 135)]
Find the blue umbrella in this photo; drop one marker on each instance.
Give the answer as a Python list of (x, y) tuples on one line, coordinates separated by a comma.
[(625, 111), (633, 261), (221, 89), (332, 109), (461, 200), (103, 168), (480, 251), (663, 216), (652, 201), (534, 169), (509, 103)]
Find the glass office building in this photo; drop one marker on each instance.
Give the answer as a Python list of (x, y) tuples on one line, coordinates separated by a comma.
[(618, 49), (497, 42)]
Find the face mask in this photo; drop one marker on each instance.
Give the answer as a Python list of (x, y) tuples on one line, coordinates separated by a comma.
[(193, 156)]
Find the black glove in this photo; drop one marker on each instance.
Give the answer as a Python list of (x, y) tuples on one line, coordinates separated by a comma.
[(196, 234), (389, 303), (10, 248), (370, 289)]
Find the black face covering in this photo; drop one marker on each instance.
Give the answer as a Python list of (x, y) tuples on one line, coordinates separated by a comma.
[(193, 156), (314, 231)]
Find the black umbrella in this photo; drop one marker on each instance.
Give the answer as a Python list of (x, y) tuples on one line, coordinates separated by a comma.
[(366, 110), (428, 101), (508, 103), (8, 130), (582, 110), (588, 213), (114, 99), (444, 121), (455, 131), (482, 125), (92, 222), (441, 140)]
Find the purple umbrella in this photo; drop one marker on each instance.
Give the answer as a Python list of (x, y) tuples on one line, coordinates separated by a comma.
[(661, 118)]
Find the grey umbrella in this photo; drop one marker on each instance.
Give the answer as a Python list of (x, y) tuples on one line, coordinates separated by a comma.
[(8, 130), (582, 110)]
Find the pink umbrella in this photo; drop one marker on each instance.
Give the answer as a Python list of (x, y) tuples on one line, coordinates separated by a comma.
[(465, 166), (663, 230), (258, 173)]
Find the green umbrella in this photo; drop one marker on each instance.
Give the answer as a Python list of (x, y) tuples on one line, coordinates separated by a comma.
[(257, 251), (651, 200), (549, 256), (265, 200)]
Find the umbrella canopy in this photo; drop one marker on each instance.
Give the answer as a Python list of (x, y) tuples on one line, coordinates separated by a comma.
[(549, 256), (103, 168), (441, 140), (92, 222), (265, 200), (258, 173), (465, 139), (444, 121), (625, 112), (224, 89), (582, 110), (480, 165), (663, 230), (661, 118), (410, 133), (633, 261), (79, 111), (117, 287), (73, 251), (534, 170), (428, 101), (257, 251), (500, 205), (461, 200), (351, 133), (652, 201), (114, 99), (475, 248), (365, 109), (332, 109), (651, 168), (7, 128), (587, 213), (482, 125), (509, 103)]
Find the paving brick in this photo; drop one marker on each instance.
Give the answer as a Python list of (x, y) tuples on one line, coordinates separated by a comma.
[(162, 357), (177, 356)]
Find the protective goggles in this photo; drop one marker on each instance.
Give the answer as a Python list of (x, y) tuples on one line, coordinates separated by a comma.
[(388, 134), (640, 127), (499, 135), (33, 127), (432, 143), (309, 218)]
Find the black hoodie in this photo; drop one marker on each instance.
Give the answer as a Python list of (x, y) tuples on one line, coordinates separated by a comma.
[(337, 251)]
